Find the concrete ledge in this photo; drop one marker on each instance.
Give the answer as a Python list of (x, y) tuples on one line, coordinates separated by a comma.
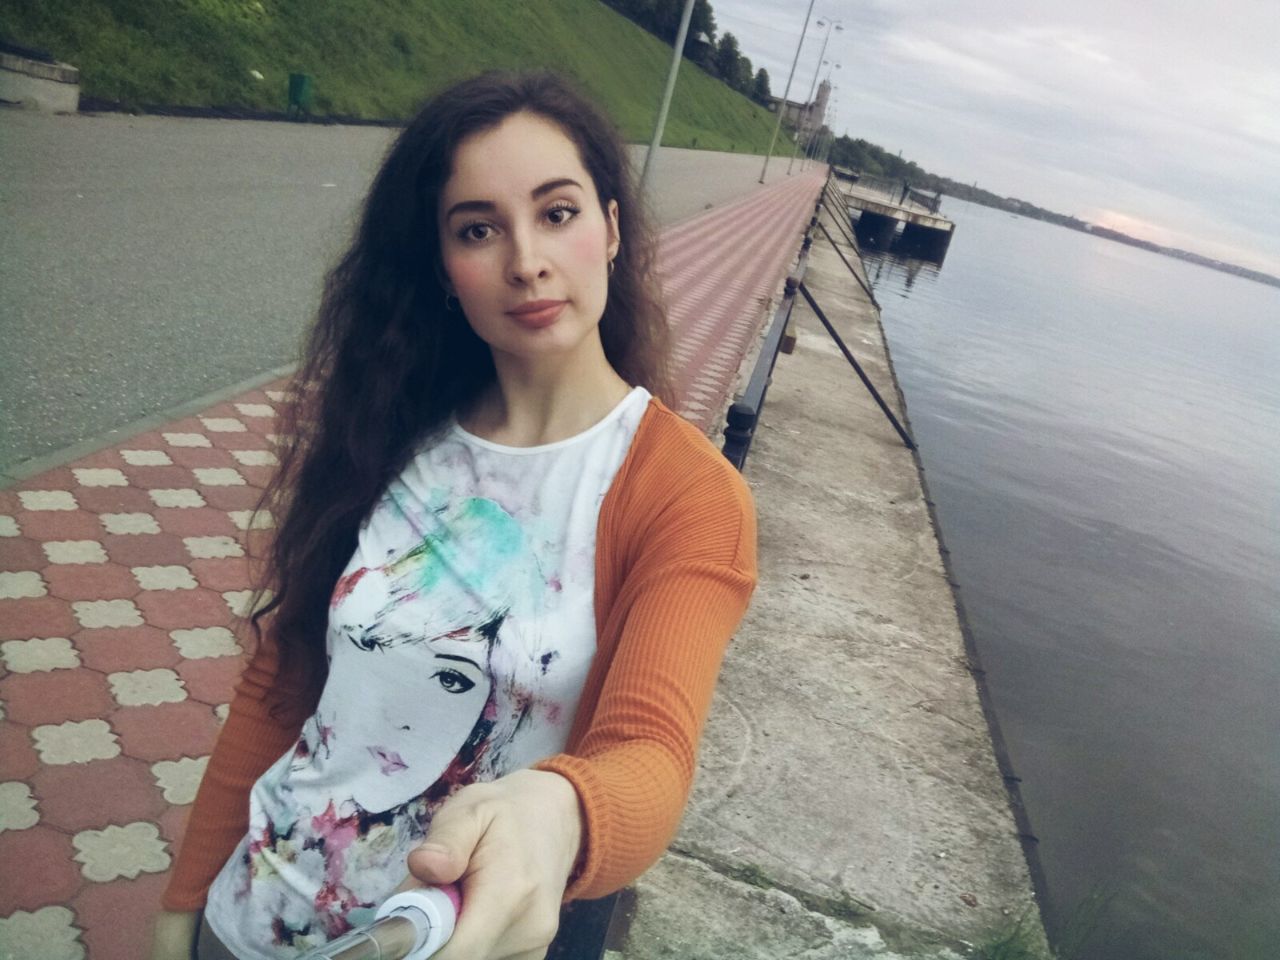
[(54, 87), (688, 910)]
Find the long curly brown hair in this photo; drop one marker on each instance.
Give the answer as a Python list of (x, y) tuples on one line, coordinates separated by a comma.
[(386, 365)]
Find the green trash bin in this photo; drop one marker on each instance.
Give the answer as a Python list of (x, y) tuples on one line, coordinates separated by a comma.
[(300, 86)]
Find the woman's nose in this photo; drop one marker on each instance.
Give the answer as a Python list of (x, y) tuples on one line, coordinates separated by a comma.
[(528, 262)]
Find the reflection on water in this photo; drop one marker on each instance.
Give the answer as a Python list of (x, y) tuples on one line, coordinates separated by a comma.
[(891, 271), (1101, 427)]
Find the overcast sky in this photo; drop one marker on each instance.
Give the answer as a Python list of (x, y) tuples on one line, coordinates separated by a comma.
[(1157, 117)]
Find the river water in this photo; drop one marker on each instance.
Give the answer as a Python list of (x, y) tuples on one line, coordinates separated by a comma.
[(1100, 427)]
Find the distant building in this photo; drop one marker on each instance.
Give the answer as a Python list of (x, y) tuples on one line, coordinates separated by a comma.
[(809, 115)]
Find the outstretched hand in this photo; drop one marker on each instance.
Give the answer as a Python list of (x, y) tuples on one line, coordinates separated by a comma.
[(510, 845)]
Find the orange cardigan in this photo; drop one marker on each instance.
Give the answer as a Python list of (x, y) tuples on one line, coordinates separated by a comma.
[(675, 567)]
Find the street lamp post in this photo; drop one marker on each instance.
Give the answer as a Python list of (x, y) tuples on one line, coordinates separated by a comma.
[(782, 107), (838, 24), (658, 127), (822, 152)]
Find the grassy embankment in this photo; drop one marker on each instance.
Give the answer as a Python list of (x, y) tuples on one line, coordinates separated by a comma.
[(374, 59)]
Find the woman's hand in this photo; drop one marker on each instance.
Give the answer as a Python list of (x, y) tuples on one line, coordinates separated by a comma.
[(173, 937), (511, 845)]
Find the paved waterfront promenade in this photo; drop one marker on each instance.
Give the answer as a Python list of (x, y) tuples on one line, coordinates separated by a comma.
[(149, 260), (124, 571), (847, 804)]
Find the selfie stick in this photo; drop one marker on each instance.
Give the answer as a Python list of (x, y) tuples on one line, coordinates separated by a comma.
[(411, 925)]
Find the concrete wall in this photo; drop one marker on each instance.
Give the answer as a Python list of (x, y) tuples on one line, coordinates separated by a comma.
[(53, 87)]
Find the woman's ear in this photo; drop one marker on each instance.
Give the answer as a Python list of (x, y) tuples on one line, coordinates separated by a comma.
[(615, 236), (444, 280)]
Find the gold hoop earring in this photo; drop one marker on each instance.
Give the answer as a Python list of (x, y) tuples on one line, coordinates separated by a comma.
[(611, 268)]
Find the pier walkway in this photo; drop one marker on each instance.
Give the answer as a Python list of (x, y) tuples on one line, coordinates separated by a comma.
[(884, 205)]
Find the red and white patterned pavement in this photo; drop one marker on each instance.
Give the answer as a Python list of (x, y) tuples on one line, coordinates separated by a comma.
[(122, 576)]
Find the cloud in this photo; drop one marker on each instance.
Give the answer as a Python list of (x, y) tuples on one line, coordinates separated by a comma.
[(1168, 116)]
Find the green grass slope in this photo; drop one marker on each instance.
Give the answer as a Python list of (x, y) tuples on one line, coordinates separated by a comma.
[(374, 59)]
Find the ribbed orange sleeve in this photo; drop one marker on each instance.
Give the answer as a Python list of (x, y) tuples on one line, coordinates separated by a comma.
[(664, 637), (635, 767), (250, 742)]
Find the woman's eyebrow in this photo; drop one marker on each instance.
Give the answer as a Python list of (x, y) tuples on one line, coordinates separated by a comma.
[(487, 206)]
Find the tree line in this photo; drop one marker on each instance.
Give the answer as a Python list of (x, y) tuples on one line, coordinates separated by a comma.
[(721, 57), (865, 157)]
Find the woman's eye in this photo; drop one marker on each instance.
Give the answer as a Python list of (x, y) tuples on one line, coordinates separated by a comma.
[(468, 232), (451, 681), (562, 215)]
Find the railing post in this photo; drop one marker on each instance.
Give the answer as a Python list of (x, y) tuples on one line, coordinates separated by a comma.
[(744, 412)]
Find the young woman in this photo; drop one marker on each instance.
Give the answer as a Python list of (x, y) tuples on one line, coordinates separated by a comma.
[(505, 574)]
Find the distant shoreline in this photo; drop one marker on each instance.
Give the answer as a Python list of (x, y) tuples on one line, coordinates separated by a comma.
[(1018, 207)]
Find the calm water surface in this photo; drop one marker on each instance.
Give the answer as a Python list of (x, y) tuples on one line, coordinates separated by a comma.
[(1101, 431)]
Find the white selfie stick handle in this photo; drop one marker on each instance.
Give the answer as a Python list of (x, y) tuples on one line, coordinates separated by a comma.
[(433, 913)]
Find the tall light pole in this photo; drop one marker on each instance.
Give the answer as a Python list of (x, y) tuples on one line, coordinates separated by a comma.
[(676, 56), (813, 86), (782, 107)]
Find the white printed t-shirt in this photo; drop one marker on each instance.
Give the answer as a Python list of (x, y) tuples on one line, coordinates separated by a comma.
[(460, 635)]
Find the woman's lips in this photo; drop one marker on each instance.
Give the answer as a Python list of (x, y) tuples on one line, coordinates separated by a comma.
[(540, 317)]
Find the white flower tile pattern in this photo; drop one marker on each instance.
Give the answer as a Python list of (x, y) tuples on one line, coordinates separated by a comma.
[(24, 583), (255, 458), (120, 852), (252, 519), (208, 548), (204, 642), (9, 526), (39, 654), (100, 477), (47, 500), (17, 808), (136, 688), (107, 613), (164, 578), (130, 523), (239, 602), (75, 551), (146, 458), (256, 409), (47, 934), (75, 742), (219, 476), (176, 498), (179, 779), (223, 425), (187, 440)]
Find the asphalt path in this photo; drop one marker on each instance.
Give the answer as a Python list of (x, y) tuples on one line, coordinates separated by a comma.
[(148, 261)]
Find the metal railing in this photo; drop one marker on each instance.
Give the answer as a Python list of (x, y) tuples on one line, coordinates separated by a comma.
[(930, 203), (744, 412), (898, 191)]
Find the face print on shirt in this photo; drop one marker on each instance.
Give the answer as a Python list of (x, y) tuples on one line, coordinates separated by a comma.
[(435, 655)]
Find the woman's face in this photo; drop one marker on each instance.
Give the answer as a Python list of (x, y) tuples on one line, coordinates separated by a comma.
[(520, 222), (411, 701)]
